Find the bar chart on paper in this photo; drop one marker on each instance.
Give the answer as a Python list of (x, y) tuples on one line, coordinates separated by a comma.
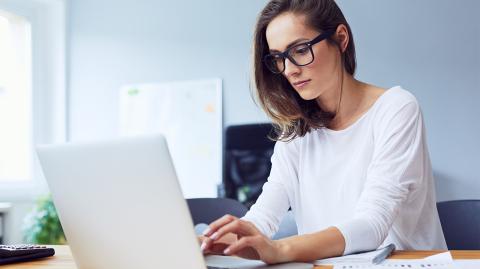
[(189, 114)]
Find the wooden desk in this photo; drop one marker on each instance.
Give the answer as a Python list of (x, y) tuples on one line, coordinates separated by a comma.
[(63, 259)]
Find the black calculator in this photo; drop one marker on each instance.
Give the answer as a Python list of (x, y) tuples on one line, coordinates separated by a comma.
[(21, 253)]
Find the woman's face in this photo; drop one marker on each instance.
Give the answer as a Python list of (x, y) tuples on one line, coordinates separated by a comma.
[(312, 80)]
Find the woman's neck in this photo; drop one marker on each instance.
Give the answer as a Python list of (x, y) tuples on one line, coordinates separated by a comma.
[(350, 103), (343, 97)]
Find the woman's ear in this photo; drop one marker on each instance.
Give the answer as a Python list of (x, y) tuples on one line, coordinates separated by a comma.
[(342, 37)]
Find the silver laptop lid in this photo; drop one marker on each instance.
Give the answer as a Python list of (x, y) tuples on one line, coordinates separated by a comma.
[(120, 204)]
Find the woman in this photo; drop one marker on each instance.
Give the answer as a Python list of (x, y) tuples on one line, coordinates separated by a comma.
[(351, 158)]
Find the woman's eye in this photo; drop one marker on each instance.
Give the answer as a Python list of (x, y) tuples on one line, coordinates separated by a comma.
[(301, 50)]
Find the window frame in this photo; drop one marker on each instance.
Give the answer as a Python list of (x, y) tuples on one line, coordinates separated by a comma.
[(48, 85)]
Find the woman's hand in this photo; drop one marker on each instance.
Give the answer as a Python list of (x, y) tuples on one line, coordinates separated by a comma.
[(217, 247), (251, 243)]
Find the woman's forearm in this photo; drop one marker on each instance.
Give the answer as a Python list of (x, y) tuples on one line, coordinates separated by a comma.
[(327, 243)]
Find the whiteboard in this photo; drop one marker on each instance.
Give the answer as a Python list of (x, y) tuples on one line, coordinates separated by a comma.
[(189, 114)]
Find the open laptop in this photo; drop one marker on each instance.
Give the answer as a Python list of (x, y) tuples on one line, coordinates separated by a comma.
[(121, 206)]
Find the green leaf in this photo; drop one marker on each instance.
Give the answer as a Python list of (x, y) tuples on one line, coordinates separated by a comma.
[(41, 225)]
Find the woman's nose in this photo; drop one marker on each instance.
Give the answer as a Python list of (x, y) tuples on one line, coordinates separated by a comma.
[(291, 68)]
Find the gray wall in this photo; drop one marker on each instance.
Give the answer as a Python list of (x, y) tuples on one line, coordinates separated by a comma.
[(428, 47)]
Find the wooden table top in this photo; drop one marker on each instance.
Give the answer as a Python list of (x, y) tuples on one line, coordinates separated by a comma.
[(63, 258)]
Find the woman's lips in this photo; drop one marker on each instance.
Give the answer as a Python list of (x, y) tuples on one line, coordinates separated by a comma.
[(301, 84)]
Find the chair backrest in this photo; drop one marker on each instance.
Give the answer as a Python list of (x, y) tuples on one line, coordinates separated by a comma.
[(247, 161), (461, 223), (206, 210)]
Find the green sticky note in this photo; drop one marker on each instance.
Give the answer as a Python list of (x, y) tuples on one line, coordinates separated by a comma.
[(133, 92)]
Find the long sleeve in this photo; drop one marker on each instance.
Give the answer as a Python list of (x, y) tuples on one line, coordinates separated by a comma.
[(396, 172), (269, 209)]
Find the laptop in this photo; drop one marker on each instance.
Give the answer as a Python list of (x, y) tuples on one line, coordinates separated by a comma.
[(121, 206)]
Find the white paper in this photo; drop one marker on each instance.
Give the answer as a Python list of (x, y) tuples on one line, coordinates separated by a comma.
[(240, 263), (438, 261), (467, 264), (440, 257), (189, 114), (407, 264)]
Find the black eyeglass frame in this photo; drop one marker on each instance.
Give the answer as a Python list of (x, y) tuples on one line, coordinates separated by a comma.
[(286, 54)]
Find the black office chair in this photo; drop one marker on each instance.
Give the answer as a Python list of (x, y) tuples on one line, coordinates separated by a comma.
[(247, 161), (206, 210), (461, 223)]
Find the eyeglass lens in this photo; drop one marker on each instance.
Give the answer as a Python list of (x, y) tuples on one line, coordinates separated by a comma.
[(299, 55)]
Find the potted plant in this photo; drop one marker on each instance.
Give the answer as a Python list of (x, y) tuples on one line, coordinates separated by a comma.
[(42, 226)]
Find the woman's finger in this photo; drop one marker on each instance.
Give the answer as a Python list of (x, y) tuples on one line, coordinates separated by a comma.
[(214, 226), (206, 244), (237, 226), (200, 239), (244, 242), (217, 248)]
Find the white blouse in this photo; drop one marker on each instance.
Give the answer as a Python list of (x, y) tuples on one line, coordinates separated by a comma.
[(372, 180)]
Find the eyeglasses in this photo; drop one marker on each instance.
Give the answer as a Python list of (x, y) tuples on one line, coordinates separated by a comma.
[(299, 55)]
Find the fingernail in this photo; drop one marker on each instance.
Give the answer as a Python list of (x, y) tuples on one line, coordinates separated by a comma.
[(226, 251), (203, 246), (214, 236), (206, 231)]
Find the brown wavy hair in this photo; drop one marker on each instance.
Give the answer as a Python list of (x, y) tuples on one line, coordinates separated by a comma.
[(291, 115)]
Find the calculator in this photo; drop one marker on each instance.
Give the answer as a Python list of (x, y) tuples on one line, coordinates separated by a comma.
[(23, 252)]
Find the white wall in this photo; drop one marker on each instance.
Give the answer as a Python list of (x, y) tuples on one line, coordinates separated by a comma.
[(429, 47), (117, 42)]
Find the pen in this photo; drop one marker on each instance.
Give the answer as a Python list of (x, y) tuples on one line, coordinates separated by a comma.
[(384, 254)]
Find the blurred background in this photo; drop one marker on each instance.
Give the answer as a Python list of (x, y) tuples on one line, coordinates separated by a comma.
[(63, 64)]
